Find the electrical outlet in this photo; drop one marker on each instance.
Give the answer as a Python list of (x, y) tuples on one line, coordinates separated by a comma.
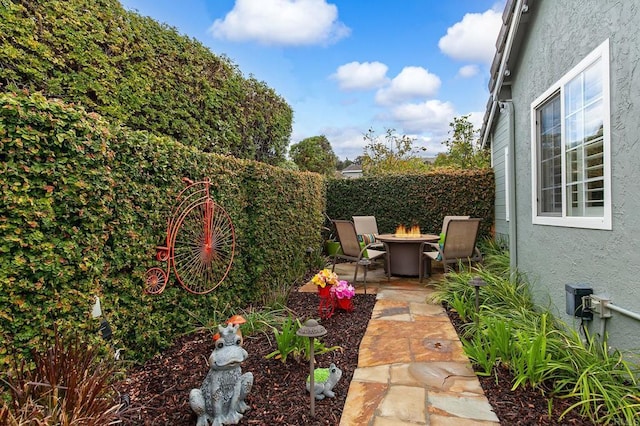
[(575, 298)]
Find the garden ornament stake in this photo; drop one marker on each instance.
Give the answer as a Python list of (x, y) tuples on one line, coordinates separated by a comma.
[(220, 399), (199, 245), (477, 282), (311, 329)]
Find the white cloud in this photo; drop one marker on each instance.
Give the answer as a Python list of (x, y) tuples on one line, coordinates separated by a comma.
[(361, 75), (468, 71), (430, 117), (433, 144), (281, 22), (411, 83), (473, 38), (476, 118), (346, 142), (427, 122)]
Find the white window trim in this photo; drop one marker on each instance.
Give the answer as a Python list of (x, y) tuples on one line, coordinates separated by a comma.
[(603, 222)]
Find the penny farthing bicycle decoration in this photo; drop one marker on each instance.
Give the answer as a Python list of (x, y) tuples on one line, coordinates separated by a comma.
[(200, 243)]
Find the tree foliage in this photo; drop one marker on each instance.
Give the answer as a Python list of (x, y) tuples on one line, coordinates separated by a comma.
[(314, 154), (141, 73), (464, 150), (392, 154), (343, 164)]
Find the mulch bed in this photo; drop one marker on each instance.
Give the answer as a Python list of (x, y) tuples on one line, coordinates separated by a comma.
[(159, 389), (522, 406)]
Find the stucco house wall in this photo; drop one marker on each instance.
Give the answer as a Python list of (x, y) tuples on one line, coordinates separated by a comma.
[(559, 35)]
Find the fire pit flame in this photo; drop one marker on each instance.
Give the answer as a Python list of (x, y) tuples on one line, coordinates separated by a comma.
[(403, 232)]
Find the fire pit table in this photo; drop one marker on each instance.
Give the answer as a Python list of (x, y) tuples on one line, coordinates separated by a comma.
[(403, 251)]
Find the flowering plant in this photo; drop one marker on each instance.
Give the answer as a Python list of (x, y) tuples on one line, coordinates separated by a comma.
[(343, 290), (325, 278)]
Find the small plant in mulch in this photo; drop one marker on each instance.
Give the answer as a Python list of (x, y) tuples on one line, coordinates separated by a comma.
[(290, 344)]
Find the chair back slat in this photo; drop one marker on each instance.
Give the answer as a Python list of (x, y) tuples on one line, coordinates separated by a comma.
[(365, 225), (460, 238), (446, 220), (348, 238)]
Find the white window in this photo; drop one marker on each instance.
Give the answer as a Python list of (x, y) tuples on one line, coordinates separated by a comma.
[(570, 150)]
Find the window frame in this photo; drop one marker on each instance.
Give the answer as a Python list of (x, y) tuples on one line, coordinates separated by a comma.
[(590, 222)]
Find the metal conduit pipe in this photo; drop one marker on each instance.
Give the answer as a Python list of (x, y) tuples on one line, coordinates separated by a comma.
[(623, 311), (519, 9), (603, 327), (510, 176), (602, 306)]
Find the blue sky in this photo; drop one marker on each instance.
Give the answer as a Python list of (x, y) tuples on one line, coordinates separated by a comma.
[(347, 66)]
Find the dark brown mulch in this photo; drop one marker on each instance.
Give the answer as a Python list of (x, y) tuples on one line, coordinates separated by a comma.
[(160, 388)]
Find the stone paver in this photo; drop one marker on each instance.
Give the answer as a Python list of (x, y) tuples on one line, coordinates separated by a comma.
[(381, 421), (402, 294), (428, 312), (412, 369), (405, 403), (454, 377), (379, 374), (437, 420), (380, 350), (477, 408), (362, 402)]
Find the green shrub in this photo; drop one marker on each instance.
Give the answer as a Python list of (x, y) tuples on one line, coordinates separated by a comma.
[(57, 194), (604, 381), (141, 73), (541, 351), (290, 344), (84, 205), (417, 198)]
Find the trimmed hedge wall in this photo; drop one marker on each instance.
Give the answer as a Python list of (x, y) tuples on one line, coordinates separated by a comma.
[(85, 203), (133, 70), (422, 199)]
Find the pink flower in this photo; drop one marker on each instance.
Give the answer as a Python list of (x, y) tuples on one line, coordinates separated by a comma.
[(343, 290)]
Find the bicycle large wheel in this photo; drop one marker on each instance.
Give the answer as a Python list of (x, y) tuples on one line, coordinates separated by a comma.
[(203, 246)]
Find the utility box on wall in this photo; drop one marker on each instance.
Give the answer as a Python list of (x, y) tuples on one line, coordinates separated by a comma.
[(575, 293)]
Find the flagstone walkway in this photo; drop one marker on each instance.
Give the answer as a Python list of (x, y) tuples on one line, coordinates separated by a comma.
[(412, 369)]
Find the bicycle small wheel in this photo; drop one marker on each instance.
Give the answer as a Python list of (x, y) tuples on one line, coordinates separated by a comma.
[(155, 281), (203, 247)]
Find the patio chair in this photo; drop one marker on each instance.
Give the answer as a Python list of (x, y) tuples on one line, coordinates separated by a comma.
[(367, 228), (351, 249), (446, 220), (459, 246)]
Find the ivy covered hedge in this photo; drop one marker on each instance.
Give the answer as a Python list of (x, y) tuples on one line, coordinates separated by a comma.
[(133, 70), (415, 199), (85, 203)]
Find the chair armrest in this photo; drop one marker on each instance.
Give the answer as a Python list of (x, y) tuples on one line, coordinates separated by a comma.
[(429, 245)]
